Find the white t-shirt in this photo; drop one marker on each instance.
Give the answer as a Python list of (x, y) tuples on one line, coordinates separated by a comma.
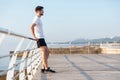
[(38, 29)]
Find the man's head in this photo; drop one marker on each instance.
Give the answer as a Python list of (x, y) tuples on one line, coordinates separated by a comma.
[(39, 10)]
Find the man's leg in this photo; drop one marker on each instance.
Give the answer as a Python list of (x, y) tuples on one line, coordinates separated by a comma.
[(48, 52), (44, 57)]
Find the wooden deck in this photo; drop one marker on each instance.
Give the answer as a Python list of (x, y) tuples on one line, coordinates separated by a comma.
[(83, 67)]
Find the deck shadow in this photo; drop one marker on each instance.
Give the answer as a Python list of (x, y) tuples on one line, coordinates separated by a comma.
[(88, 77), (43, 76), (111, 67), (109, 57)]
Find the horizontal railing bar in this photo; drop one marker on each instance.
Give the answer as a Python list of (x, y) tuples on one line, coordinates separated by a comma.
[(24, 68), (28, 74), (15, 65), (4, 72), (16, 53), (21, 62), (5, 56), (17, 74), (32, 61), (6, 31), (24, 60)]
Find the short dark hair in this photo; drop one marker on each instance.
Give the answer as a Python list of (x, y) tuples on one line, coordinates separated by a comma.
[(39, 8)]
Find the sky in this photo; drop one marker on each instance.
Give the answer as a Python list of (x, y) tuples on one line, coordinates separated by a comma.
[(64, 20)]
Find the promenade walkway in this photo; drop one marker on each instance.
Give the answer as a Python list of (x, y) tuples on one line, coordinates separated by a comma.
[(83, 67)]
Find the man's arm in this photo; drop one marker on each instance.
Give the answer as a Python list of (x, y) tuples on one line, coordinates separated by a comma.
[(32, 31)]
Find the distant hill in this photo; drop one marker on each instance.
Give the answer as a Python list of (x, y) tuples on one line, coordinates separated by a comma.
[(114, 39), (82, 40)]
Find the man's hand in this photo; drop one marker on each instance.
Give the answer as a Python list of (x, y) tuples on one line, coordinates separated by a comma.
[(36, 39)]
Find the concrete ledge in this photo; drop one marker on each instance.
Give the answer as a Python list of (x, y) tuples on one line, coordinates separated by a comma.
[(110, 51)]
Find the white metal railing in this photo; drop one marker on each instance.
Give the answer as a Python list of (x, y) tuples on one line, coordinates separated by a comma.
[(113, 45), (29, 62)]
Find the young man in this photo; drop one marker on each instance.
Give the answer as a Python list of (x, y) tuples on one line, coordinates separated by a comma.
[(37, 32)]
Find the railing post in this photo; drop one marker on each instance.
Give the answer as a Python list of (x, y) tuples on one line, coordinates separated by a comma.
[(22, 65), (33, 64), (36, 62), (88, 47), (2, 37), (10, 73), (29, 62), (70, 47), (12, 64)]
